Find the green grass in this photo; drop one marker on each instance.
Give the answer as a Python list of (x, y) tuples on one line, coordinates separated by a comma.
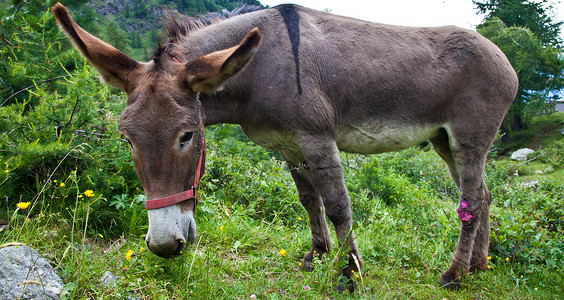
[(405, 224), (542, 132), (237, 256)]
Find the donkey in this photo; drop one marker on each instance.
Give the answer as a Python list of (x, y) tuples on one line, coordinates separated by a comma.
[(309, 84)]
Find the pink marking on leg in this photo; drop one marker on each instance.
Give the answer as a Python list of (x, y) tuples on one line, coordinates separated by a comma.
[(463, 215)]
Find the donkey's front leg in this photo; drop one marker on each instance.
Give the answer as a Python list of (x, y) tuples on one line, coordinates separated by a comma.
[(322, 157), (312, 202)]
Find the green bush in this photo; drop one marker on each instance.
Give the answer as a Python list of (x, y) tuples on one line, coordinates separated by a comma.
[(241, 175), (553, 154)]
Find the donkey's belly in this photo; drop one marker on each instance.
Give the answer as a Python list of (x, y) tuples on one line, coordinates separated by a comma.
[(380, 138)]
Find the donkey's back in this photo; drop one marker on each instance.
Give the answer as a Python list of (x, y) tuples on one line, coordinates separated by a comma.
[(377, 87)]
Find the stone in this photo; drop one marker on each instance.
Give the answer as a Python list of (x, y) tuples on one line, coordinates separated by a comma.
[(108, 279), (530, 184), (25, 274), (521, 154)]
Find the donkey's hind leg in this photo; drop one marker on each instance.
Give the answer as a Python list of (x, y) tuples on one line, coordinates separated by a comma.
[(466, 165), (479, 260), (313, 203)]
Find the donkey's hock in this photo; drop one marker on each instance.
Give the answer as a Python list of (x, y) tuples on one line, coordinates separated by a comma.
[(316, 84)]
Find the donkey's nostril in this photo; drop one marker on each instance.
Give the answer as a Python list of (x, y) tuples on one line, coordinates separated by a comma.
[(170, 249), (181, 246)]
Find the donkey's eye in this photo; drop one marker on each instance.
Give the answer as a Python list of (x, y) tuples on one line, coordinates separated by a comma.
[(185, 138), (126, 140)]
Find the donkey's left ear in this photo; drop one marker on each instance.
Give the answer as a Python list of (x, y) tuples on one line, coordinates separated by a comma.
[(207, 73), (115, 67)]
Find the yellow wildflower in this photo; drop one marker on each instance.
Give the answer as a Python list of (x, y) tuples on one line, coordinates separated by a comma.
[(100, 235), (489, 258), (507, 259), (299, 218), (129, 254), (282, 252), (88, 193), (23, 205), (221, 227), (300, 264), (489, 267), (62, 184)]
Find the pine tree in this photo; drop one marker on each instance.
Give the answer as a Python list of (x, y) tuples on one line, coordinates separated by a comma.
[(529, 37)]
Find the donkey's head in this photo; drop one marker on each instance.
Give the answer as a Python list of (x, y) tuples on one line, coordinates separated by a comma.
[(163, 124)]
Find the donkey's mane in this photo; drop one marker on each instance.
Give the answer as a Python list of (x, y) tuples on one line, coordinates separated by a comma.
[(181, 25), (176, 26)]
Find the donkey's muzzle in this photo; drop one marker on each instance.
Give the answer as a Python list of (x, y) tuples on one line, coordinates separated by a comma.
[(170, 231), (172, 248)]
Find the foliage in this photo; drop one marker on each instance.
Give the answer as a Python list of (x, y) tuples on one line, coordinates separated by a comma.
[(59, 127), (529, 37), (539, 68), (554, 155), (137, 23), (542, 133), (30, 48), (537, 16), (117, 37), (405, 243)]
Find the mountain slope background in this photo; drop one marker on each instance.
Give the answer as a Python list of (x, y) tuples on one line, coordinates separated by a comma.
[(134, 26)]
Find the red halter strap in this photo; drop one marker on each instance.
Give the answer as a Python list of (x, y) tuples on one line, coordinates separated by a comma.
[(186, 195)]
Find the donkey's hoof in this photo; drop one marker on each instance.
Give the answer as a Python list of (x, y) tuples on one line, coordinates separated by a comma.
[(450, 284), (307, 266), (478, 267)]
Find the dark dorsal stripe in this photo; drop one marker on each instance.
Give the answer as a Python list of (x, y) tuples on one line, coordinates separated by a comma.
[(292, 21)]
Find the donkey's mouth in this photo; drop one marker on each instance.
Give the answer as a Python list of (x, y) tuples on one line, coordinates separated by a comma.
[(172, 249)]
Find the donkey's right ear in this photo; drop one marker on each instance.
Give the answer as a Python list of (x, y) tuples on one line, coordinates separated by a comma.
[(115, 67), (207, 73)]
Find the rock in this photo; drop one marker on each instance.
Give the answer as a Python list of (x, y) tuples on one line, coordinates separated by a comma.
[(549, 169), (530, 184), (108, 279), (24, 274), (521, 154)]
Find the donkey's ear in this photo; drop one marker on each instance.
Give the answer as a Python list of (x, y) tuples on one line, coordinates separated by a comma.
[(115, 67), (207, 73)]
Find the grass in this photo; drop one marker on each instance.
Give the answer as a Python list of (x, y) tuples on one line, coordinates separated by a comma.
[(405, 224), (236, 257), (542, 131)]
